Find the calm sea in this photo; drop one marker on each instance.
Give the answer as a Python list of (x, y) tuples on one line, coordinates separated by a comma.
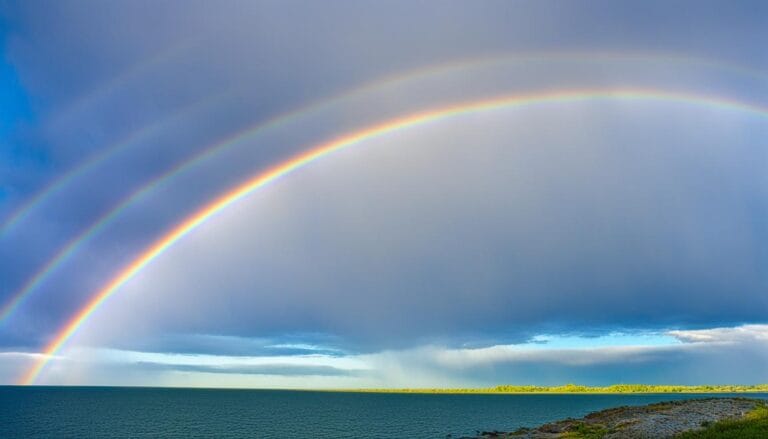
[(145, 412)]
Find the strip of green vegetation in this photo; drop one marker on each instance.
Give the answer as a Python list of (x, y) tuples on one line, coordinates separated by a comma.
[(753, 426), (574, 388), (587, 431)]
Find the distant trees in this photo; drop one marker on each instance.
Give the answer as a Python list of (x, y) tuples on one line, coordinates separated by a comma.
[(632, 388), (575, 388)]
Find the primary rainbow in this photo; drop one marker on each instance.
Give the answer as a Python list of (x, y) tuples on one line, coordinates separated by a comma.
[(325, 149)]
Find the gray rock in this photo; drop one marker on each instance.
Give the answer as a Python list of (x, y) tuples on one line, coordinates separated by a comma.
[(654, 421)]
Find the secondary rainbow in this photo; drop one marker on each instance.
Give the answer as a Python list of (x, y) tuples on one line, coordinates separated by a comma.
[(325, 149), (73, 245), (133, 138), (99, 93), (70, 248)]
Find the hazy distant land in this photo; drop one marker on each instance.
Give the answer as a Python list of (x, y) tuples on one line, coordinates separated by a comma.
[(575, 388)]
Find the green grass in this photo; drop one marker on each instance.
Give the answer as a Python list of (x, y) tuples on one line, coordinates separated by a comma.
[(587, 431), (753, 426), (574, 388)]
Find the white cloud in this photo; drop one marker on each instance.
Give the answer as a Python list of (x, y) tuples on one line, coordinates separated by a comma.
[(693, 360), (734, 355), (739, 334)]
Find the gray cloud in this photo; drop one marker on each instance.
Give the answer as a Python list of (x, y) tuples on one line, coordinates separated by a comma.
[(486, 229)]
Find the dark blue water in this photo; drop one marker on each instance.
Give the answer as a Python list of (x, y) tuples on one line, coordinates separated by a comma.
[(145, 412)]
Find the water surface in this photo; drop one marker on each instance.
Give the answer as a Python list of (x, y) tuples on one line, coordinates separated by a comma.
[(151, 412)]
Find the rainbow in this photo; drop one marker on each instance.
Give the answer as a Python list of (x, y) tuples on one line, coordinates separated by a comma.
[(271, 175), (135, 137), (73, 245), (62, 181)]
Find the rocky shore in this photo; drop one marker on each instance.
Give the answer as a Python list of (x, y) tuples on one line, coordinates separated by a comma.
[(661, 420)]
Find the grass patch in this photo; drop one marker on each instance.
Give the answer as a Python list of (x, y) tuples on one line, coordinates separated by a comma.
[(753, 426), (587, 431)]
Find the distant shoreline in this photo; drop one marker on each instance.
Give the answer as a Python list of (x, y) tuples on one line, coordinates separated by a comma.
[(499, 390), (572, 389)]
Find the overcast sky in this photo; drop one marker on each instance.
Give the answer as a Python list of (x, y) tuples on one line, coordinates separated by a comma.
[(611, 239)]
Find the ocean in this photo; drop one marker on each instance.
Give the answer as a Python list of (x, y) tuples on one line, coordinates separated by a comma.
[(97, 412)]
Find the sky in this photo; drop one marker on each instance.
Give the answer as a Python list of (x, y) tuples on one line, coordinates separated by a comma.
[(607, 223)]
